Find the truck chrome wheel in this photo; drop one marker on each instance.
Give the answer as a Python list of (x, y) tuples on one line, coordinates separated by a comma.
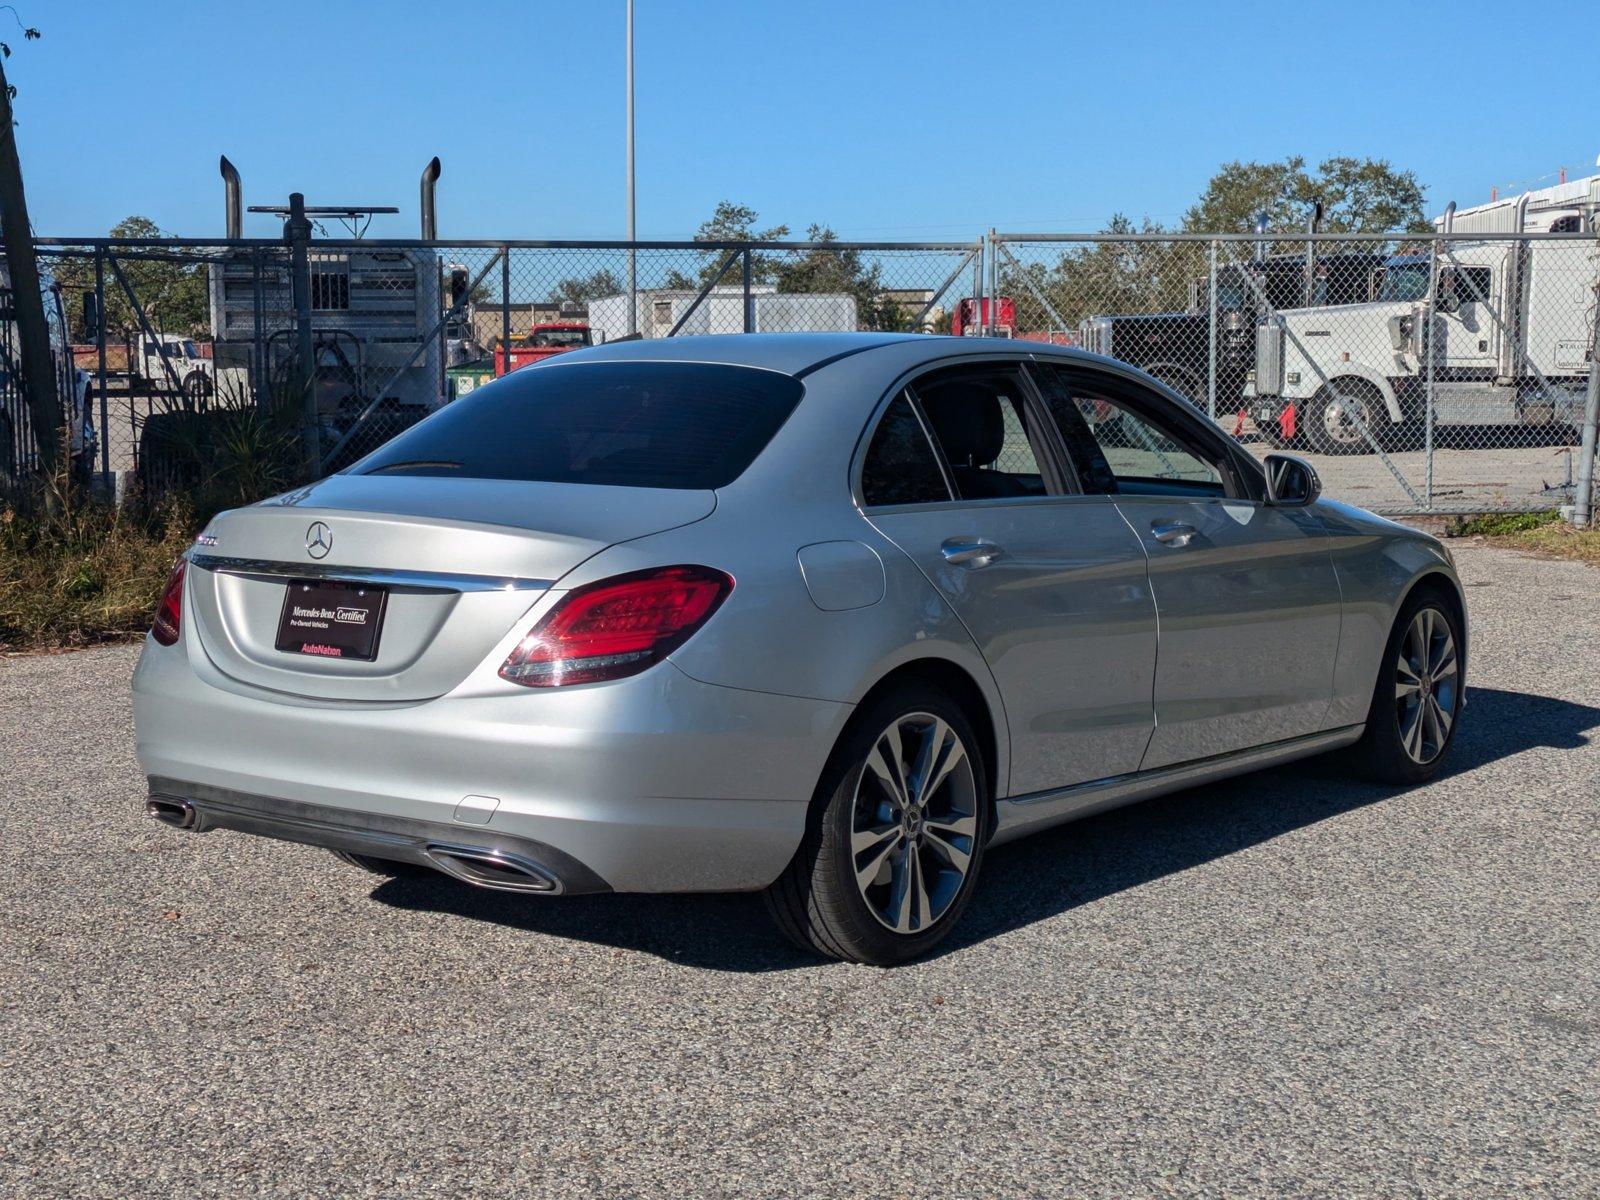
[(1426, 686), (1343, 418), (915, 821)]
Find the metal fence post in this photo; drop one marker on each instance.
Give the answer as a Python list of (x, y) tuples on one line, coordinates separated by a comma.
[(749, 300), (1211, 339), (100, 370), (258, 340), (978, 268), (297, 232), (1583, 502), (991, 314), (505, 305), (1429, 344)]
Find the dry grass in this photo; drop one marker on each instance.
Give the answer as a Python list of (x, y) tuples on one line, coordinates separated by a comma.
[(1555, 541), (92, 575), (1542, 533)]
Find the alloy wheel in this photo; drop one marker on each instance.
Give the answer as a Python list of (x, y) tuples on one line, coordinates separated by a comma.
[(914, 823), (1426, 686)]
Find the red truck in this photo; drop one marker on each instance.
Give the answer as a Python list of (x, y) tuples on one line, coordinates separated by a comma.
[(543, 340), (971, 315)]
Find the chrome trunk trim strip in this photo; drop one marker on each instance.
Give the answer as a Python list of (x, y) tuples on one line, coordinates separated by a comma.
[(444, 581)]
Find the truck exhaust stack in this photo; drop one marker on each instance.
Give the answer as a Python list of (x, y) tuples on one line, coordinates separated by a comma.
[(430, 181), (234, 203)]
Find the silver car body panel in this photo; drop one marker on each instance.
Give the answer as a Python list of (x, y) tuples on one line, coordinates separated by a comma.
[(1064, 619), (1251, 578), (697, 774)]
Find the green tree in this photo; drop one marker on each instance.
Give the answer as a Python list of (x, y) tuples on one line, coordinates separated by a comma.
[(168, 282), (1106, 277), (1358, 195), (827, 270), (580, 289), (729, 222)]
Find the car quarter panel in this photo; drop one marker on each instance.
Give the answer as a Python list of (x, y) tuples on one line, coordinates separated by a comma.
[(771, 636)]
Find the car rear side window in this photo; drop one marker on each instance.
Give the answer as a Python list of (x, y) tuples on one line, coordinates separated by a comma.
[(901, 467), (626, 424)]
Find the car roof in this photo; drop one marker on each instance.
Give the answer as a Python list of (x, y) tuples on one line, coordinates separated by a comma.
[(791, 353), (798, 353)]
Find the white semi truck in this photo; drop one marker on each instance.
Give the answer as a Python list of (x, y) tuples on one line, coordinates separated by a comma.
[(194, 374), (1498, 331)]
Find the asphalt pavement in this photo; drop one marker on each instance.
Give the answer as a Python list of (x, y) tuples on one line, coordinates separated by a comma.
[(1285, 985)]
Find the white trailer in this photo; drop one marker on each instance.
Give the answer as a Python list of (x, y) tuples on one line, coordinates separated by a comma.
[(658, 312), (1501, 337), (374, 320)]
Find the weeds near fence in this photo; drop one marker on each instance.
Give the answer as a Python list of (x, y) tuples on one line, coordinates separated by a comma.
[(1542, 533), (88, 575), (76, 571)]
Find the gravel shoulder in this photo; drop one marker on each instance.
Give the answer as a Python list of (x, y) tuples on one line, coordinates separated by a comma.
[(1289, 984)]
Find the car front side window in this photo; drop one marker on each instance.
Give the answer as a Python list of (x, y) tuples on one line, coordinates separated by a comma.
[(1121, 444)]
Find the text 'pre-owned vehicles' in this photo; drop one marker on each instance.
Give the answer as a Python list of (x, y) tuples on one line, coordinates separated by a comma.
[(825, 615)]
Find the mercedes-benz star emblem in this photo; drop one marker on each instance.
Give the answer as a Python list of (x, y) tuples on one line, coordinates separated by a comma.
[(319, 540)]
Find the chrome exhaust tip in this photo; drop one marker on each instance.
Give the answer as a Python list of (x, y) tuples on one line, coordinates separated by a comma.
[(179, 814), (496, 869)]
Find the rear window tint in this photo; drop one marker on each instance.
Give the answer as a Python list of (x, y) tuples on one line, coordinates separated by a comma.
[(634, 424)]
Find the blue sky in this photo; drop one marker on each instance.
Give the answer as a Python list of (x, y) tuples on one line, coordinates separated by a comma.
[(918, 120)]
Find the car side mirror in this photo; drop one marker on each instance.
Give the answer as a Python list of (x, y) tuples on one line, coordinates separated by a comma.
[(1291, 482)]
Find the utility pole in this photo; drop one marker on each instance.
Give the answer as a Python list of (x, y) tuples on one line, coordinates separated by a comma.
[(633, 236), (38, 370)]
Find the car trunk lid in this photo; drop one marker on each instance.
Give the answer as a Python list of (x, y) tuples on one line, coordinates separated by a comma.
[(460, 561)]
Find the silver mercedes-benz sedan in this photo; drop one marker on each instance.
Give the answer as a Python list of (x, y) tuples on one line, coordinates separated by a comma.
[(821, 615)]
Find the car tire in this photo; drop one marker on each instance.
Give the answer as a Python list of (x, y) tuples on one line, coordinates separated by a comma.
[(389, 867), (1328, 431), (887, 866), (1416, 702), (198, 386)]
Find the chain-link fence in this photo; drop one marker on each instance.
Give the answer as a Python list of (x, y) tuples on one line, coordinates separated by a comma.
[(204, 357), (1420, 373)]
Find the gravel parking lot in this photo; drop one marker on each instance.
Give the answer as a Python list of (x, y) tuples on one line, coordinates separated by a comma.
[(1288, 985)]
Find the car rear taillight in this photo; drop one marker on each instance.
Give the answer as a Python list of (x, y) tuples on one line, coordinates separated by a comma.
[(617, 627), (169, 614)]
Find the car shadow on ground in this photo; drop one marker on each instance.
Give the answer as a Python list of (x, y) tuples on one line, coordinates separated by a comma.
[(1034, 879)]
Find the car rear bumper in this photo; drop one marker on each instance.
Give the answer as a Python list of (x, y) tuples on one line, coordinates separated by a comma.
[(655, 783), (489, 858)]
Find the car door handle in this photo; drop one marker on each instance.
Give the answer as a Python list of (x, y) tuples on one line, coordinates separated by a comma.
[(973, 553), (1172, 533)]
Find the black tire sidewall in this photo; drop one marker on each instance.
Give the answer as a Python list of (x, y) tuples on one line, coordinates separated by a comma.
[(1315, 428), (1386, 756), (866, 938)]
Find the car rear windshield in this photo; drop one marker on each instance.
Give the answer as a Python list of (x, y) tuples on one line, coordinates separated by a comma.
[(634, 424)]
